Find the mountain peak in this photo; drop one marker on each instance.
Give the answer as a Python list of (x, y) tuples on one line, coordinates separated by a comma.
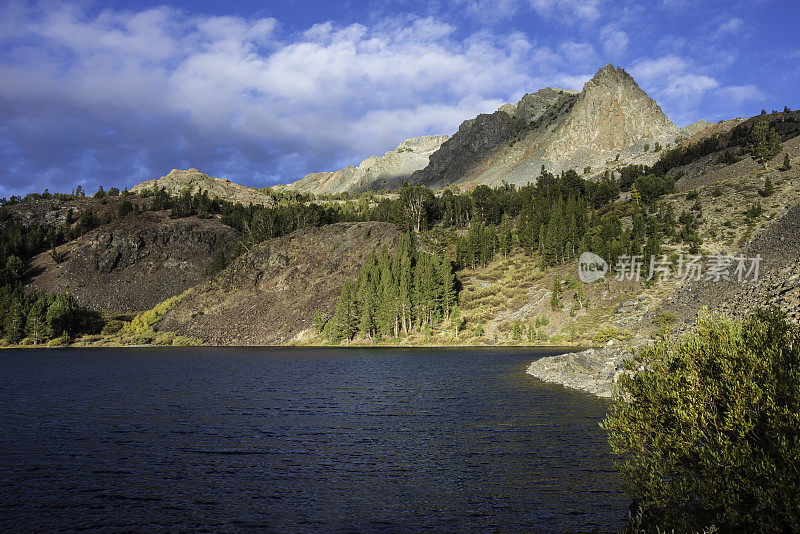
[(610, 76), (612, 114)]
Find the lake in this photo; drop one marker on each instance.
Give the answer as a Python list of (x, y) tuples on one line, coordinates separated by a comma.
[(299, 440)]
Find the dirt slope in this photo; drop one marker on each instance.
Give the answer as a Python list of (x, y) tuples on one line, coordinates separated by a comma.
[(270, 295), (134, 262)]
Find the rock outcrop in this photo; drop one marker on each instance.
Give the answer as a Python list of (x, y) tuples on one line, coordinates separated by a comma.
[(696, 127), (270, 295), (376, 172), (179, 180), (134, 262), (594, 371), (607, 124)]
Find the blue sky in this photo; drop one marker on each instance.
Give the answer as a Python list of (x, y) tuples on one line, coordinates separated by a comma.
[(262, 93)]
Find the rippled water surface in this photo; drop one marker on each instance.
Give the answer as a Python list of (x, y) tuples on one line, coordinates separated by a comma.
[(298, 440)]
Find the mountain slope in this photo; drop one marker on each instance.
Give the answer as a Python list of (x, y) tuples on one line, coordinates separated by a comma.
[(612, 113), (375, 172), (556, 129), (270, 295), (134, 262)]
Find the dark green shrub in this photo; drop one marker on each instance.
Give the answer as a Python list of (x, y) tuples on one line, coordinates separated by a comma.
[(112, 327), (125, 208), (754, 211), (58, 257), (768, 188), (708, 427)]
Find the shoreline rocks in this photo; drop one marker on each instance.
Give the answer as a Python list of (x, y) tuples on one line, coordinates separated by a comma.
[(593, 371)]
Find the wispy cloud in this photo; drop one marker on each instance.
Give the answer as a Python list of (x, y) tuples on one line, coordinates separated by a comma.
[(615, 41), (730, 27), (568, 10)]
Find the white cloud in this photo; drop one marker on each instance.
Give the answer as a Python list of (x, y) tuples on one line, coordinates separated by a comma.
[(490, 10), (573, 82), (683, 87), (689, 86), (652, 70), (675, 84), (615, 41), (578, 53), (733, 26), (583, 10), (329, 94), (739, 94)]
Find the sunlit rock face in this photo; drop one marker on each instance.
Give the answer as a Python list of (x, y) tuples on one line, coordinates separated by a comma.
[(376, 172)]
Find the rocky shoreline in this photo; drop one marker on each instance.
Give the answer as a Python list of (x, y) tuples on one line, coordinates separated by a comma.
[(594, 371)]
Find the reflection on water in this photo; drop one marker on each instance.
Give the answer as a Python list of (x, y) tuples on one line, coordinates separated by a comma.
[(298, 440)]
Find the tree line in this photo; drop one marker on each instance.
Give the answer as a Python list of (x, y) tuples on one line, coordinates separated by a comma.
[(408, 292)]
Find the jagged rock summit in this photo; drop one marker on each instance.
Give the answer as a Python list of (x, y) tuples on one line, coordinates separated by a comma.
[(375, 172), (611, 113), (177, 180), (557, 129), (611, 122)]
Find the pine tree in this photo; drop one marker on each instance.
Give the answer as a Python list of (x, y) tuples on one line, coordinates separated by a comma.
[(516, 333), (61, 315), (455, 319), (505, 237), (36, 323), (765, 142), (768, 188), (555, 298), (447, 283), (319, 323), (387, 289), (341, 317), (552, 249), (635, 195), (366, 325), (787, 165), (15, 321)]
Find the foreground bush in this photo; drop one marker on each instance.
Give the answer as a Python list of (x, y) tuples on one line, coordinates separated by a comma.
[(709, 429)]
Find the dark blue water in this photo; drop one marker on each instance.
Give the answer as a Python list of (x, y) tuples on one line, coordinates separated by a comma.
[(298, 440)]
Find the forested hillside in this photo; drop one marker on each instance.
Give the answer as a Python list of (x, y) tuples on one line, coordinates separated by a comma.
[(425, 290)]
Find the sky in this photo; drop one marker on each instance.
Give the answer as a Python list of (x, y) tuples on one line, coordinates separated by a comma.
[(114, 93)]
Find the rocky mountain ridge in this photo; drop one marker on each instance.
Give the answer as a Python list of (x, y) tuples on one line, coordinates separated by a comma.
[(376, 172), (611, 121), (557, 130)]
